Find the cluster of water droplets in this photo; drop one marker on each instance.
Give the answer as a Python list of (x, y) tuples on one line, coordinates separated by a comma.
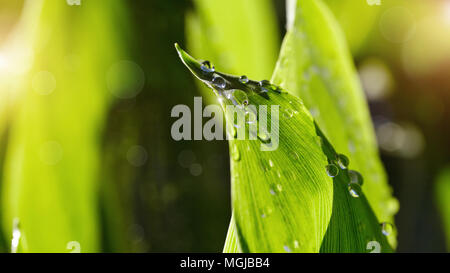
[(237, 91), (354, 184)]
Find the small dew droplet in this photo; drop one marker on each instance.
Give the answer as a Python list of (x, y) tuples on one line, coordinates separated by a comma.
[(207, 67), (236, 154), (332, 170), (271, 163), (386, 228), (343, 161), (288, 113), (219, 82), (272, 191), (293, 155), (250, 117), (243, 79), (263, 136), (279, 187)]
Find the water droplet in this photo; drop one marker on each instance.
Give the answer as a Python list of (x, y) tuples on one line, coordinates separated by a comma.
[(355, 177), (243, 79), (296, 244), (354, 190), (219, 82), (207, 67), (250, 117), (236, 155), (294, 155), (263, 136), (263, 215), (233, 132), (265, 167), (271, 163), (386, 228), (240, 97), (288, 113), (279, 187), (332, 170), (342, 161), (287, 249), (264, 84), (272, 191)]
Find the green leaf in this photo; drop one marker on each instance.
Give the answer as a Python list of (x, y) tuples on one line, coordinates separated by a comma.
[(315, 64), (442, 193), (283, 194)]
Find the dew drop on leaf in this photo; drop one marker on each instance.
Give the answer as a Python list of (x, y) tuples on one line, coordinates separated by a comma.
[(353, 189), (386, 228), (207, 67), (264, 84), (250, 117), (332, 170), (355, 177), (240, 97), (243, 79), (343, 161), (293, 155), (288, 113), (219, 82), (263, 136), (236, 155), (279, 187)]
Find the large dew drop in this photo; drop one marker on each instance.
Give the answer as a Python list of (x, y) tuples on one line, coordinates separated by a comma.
[(355, 177), (219, 82), (332, 170), (243, 79), (342, 161), (207, 67)]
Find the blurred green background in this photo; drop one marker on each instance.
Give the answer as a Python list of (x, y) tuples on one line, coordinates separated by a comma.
[(87, 87)]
